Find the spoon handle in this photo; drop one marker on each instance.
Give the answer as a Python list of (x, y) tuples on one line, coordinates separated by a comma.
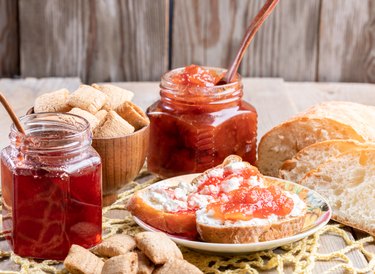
[(11, 113), (250, 33)]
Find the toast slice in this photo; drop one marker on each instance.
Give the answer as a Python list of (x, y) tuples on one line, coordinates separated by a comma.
[(348, 183), (239, 230), (171, 206), (207, 206), (326, 121), (316, 154)]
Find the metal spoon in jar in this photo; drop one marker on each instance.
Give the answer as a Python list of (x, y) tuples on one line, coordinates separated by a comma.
[(257, 22)]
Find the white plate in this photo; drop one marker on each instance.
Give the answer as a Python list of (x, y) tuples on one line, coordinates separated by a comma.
[(319, 214)]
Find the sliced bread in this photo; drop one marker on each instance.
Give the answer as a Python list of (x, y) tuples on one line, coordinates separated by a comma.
[(316, 154), (348, 183), (231, 203), (329, 120), (216, 230)]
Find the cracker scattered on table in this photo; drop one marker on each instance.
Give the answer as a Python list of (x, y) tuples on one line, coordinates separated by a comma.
[(177, 266), (157, 247), (116, 245), (87, 98), (93, 121), (82, 261), (116, 95), (123, 264), (113, 126), (55, 101), (145, 266), (133, 114)]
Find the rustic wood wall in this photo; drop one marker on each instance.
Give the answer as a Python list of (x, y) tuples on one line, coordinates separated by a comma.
[(132, 40)]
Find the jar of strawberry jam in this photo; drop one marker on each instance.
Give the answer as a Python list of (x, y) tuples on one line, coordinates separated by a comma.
[(196, 123), (51, 186)]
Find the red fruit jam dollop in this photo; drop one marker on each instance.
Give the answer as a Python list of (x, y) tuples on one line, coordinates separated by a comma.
[(214, 182), (194, 75), (256, 202)]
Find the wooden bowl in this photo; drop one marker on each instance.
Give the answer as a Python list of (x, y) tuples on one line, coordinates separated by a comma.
[(122, 159)]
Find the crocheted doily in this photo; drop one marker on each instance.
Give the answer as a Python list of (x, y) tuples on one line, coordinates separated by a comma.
[(301, 255)]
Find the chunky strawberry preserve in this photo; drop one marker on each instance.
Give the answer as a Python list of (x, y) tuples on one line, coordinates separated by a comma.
[(255, 202), (196, 124), (51, 185)]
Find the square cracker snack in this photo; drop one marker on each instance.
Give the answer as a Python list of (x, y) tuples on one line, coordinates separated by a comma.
[(116, 95), (91, 118), (80, 260), (133, 114), (101, 114), (87, 98), (157, 247), (55, 101), (113, 126)]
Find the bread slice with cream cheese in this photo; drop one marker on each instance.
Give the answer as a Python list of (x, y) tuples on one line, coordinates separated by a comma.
[(213, 229), (181, 207)]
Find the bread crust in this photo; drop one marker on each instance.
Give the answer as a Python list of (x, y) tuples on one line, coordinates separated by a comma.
[(251, 234), (329, 120), (173, 223), (307, 159), (345, 221)]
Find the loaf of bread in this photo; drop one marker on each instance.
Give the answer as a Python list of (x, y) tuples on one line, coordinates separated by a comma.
[(316, 154), (348, 183), (329, 120)]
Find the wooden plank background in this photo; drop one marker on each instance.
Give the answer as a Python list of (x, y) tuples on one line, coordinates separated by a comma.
[(134, 40)]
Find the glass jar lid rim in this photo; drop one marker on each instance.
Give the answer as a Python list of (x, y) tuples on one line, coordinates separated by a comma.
[(165, 79), (82, 122)]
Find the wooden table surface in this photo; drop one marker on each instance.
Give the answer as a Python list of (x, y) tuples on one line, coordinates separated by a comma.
[(275, 100)]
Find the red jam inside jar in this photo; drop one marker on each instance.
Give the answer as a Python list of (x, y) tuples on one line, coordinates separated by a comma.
[(256, 202), (196, 124), (51, 185)]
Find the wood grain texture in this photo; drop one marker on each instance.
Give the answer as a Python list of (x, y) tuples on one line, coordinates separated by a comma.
[(9, 58), (101, 40), (347, 41), (286, 46), (210, 32), (122, 159), (304, 95)]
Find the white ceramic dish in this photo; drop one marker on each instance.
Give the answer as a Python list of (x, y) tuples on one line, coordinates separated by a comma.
[(319, 214)]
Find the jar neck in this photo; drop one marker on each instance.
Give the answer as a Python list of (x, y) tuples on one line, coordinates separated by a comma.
[(51, 135), (178, 97)]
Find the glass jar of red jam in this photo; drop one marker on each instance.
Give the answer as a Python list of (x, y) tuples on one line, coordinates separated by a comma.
[(51, 186), (196, 123)]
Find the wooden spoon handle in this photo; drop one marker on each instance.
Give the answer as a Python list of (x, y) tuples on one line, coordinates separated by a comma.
[(250, 33), (11, 113)]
